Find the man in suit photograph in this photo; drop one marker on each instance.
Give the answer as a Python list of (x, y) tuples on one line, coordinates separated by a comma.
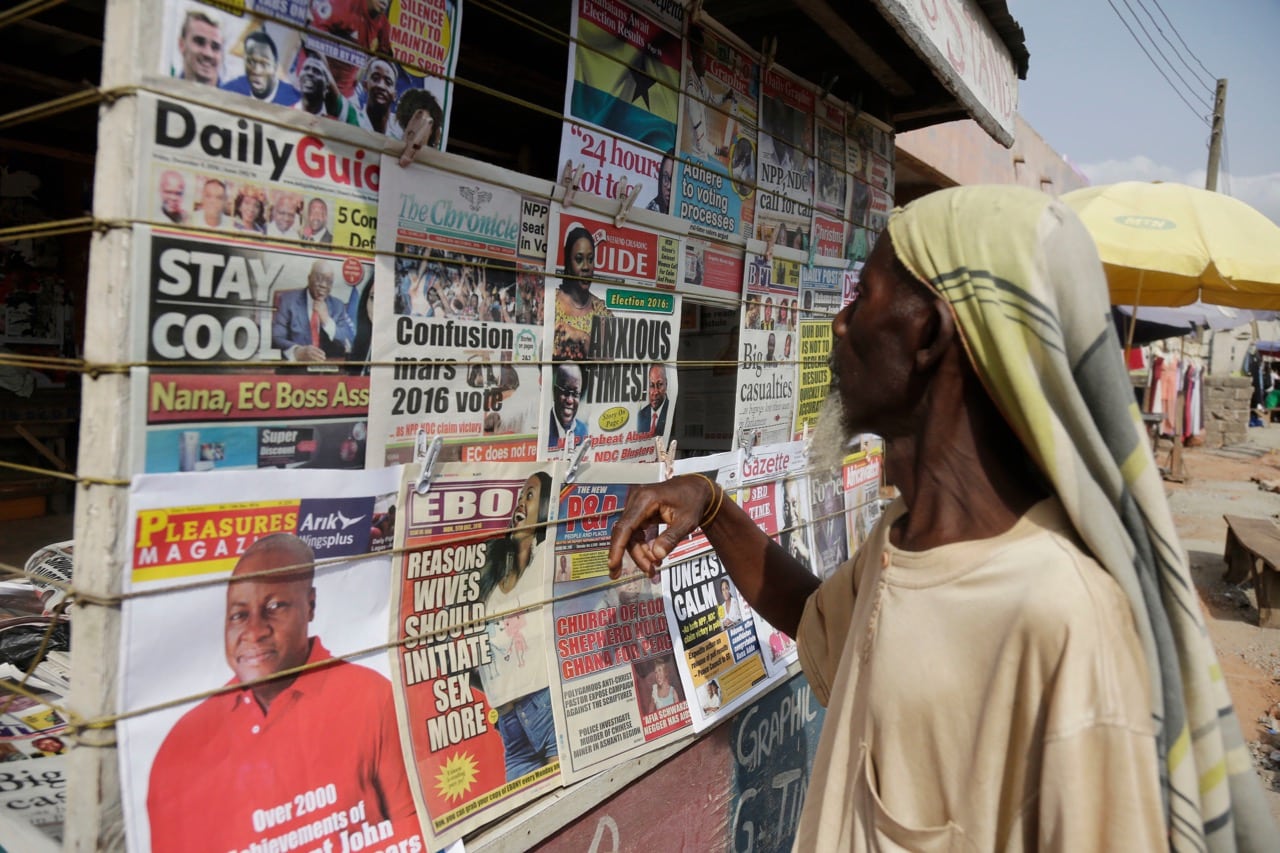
[(653, 417), (310, 324)]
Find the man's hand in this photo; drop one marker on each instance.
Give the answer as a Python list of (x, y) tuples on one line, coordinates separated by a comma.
[(308, 353), (679, 503)]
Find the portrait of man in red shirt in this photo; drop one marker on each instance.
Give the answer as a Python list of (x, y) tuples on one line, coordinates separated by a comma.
[(314, 753)]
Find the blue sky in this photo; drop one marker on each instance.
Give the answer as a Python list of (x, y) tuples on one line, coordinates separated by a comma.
[(1096, 98)]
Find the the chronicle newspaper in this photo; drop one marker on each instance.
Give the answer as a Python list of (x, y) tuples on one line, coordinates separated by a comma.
[(257, 712), (471, 665), (459, 318), (616, 688)]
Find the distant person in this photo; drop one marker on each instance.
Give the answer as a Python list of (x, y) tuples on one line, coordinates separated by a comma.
[(261, 78), (173, 197), (310, 324), (235, 754), (200, 47)]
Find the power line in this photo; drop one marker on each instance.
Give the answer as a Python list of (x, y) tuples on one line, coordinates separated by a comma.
[(1192, 89), (1176, 91), (1212, 76), (1172, 46)]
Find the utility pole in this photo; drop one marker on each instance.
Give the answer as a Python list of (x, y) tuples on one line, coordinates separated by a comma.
[(1215, 135)]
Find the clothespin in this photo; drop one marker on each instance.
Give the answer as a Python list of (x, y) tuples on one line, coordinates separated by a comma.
[(569, 179), (769, 55), (748, 440), (626, 197), (428, 458), (415, 136), (695, 12), (666, 456), (768, 246), (829, 82), (579, 455)]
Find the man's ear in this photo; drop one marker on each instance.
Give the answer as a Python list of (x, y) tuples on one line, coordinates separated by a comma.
[(938, 333), (311, 604)]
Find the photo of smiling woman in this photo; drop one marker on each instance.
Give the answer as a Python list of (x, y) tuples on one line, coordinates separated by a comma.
[(576, 305)]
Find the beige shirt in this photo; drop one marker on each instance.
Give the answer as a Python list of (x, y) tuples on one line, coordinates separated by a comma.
[(983, 695)]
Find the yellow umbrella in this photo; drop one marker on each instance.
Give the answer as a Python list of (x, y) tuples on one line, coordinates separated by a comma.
[(1170, 244)]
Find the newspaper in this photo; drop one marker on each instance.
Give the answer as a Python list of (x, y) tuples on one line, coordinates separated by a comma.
[(33, 803), (462, 266), (615, 329), (827, 515), (617, 694), (295, 576), (831, 189), (712, 270), (623, 94), (821, 298), (472, 674), (347, 60), (713, 629), (862, 475), (709, 352), (784, 205), (236, 299), (774, 489), (715, 180), (767, 352)]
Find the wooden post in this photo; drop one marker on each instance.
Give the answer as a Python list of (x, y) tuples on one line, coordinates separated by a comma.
[(94, 818), (1215, 135)]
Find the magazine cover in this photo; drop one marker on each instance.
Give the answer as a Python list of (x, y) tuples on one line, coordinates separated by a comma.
[(767, 353), (461, 263), (721, 658), (257, 712), (827, 515), (623, 94), (368, 63), (471, 670), (614, 322), (617, 694), (862, 474), (222, 301), (831, 190), (715, 181), (784, 205)]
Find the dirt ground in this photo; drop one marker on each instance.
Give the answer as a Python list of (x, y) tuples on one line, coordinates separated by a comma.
[(1226, 481)]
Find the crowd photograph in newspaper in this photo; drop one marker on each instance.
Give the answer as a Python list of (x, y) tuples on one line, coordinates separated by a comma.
[(279, 607), (622, 93), (614, 333), (460, 333), (716, 180), (471, 672), (617, 694), (373, 64)]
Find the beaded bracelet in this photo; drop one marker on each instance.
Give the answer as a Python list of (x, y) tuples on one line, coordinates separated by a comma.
[(718, 500)]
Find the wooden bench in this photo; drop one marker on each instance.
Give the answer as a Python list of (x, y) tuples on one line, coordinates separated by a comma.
[(1253, 551)]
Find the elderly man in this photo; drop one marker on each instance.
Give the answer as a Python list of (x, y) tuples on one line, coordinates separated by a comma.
[(240, 755), (261, 78), (566, 395), (310, 324), (200, 47), (213, 203), (1015, 658), (173, 195)]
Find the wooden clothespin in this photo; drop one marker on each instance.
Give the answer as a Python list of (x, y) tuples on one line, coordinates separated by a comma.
[(666, 456), (569, 179), (748, 440), (769, 55), (829, 81), (695, 12), (577, 463), (415, 136), (626, 198), (427, 455)]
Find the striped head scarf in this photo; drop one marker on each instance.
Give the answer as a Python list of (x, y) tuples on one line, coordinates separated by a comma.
[(1034, 315)]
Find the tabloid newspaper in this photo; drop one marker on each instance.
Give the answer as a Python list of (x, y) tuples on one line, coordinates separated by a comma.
[(461, 263), (617, 692), (821, 291), (471, 676), (774, 489), (278, 606), (346, 60), (721, 658), (715, 182), (226, 300), (767, 355), (827, 515), (614, 318), (712, 269), (831, 190), (862, 474), (238, 295), (623, 94), (784, 204)]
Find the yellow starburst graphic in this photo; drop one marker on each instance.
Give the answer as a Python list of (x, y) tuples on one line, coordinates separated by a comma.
[(457, 776)]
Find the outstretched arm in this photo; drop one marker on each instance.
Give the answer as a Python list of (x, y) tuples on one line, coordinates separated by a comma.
[(775, 584)]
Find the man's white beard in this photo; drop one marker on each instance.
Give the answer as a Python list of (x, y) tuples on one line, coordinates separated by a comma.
[(829, 441)]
